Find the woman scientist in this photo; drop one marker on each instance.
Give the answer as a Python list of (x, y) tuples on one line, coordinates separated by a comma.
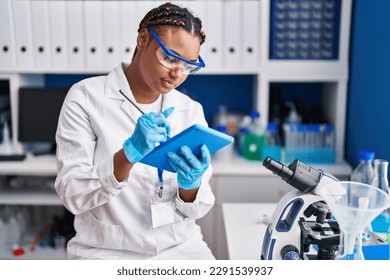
[(109, 123)]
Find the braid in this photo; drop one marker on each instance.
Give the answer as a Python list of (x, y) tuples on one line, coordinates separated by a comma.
[(169, 14)]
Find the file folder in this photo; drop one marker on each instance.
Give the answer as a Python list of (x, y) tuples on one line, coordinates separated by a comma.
[(127, 30), (212, 25), (21, 13), (7, 48), (75, 29), (232, 30), (58, 31), (197, 8), (93, 34), (143, 7), (250, 32), (40, 31), (110, 25)]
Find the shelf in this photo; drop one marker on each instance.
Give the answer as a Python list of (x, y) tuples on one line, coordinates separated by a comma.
[(46, 165), (33, 165), (29, 197), (38, 254)]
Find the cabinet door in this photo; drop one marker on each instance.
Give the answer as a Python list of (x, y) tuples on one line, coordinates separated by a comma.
[(248, 189)]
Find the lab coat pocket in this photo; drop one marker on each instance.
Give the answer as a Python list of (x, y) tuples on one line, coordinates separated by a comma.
[(96, 234)]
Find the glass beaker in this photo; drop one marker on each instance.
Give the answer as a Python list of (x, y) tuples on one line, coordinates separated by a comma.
[(354, 205)]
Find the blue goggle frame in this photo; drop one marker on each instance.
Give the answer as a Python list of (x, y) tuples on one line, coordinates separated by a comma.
[(171, 53)]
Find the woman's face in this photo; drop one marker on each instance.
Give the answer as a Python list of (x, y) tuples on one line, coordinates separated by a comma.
[(159, 78)]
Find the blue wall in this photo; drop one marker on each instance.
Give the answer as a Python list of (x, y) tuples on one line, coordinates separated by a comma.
[(234, 91), (368, 116)]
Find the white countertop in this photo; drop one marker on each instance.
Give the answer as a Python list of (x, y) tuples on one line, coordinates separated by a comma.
[(44, 165), (232, 166)]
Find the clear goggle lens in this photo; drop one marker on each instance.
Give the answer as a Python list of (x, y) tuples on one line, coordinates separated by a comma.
[(171, 62)]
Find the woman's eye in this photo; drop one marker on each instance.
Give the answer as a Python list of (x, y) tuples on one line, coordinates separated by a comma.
[(170, 59)]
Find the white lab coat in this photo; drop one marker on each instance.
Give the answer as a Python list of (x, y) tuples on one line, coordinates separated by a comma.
[(113, 219)]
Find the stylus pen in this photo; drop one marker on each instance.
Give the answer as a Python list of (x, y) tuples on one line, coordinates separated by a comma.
[(135, 105), (128, 99), (159, 170)]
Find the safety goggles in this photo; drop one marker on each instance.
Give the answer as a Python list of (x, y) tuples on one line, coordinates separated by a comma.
[(171, 60)]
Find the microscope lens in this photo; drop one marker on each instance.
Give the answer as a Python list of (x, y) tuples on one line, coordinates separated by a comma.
[(278, 168)]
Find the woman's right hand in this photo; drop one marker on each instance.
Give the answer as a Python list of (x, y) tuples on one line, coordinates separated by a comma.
[(151, 128)]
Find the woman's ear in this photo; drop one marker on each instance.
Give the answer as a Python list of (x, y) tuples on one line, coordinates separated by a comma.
[(142, 39)]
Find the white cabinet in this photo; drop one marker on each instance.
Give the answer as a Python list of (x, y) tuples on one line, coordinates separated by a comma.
[(39, 204), (233, 181)]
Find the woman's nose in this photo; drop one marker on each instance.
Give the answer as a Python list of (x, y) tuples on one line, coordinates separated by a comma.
[(176, 73)]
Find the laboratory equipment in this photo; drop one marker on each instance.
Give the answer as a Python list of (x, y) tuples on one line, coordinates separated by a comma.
[(301, 219), (273, 143), (364, 171), (222, 125), (311, 143), (243, 130), (293, 117), (381, 222), (5, 145), (293, 22), (253, 141), (354, 205)]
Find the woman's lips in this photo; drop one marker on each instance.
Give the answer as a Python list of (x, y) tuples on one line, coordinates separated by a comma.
[(168, 83)]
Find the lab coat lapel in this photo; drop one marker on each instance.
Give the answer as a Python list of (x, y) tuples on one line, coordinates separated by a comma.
[(115, 81)]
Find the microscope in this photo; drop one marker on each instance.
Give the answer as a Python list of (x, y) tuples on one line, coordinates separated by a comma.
[(301, 227)]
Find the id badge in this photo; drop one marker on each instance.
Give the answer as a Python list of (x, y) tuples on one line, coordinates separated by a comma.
[(162, 212)]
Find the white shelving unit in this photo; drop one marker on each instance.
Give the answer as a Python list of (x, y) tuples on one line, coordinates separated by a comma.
[(237, 180)]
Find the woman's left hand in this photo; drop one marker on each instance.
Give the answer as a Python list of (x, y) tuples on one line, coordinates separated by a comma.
[(189, 168)]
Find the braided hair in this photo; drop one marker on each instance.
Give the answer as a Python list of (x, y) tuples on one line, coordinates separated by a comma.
[(169, 14)]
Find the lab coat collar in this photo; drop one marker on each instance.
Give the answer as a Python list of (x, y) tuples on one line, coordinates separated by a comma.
[(115, 81)]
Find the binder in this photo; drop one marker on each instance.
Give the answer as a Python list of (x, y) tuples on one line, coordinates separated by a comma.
[(7, 48), (93, 34), (250, 32), (58, 31), (110, 25), (232, 50), (21, 13), (197, 8), (128, 27), (40, 31), (143, 7), (75, 28), (212, 50)]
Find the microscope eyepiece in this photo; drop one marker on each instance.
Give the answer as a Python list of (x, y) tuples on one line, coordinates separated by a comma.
[(297, 174), (278, 168)]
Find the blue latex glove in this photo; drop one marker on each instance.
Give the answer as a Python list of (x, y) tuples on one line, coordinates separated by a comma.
[(150, 129), (189, 168)]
